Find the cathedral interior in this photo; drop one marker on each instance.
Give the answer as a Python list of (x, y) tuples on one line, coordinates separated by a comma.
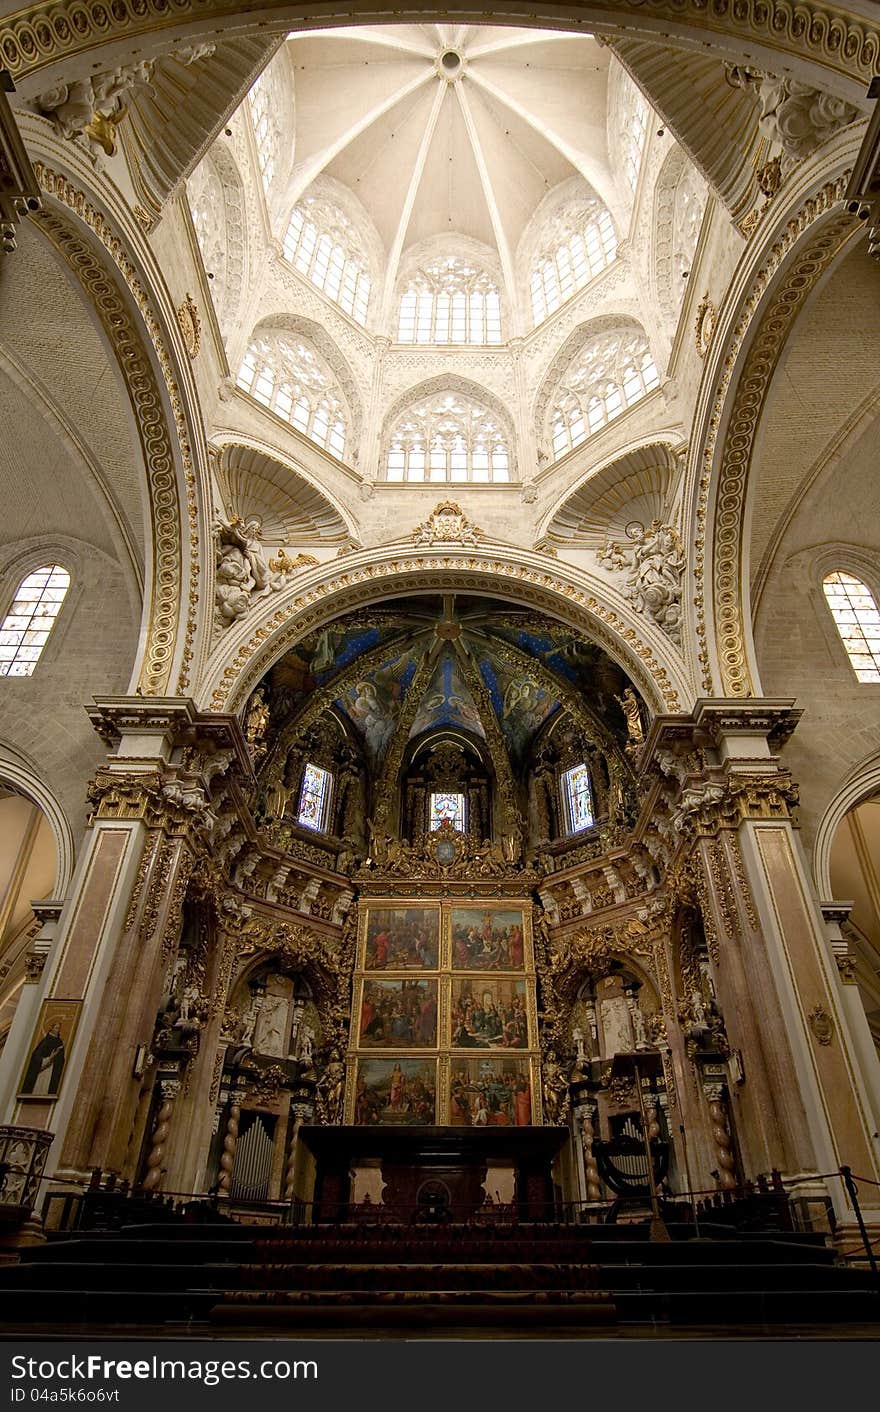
[(439, 666)]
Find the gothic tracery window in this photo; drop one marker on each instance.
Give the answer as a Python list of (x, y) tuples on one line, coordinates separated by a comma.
[(633, 117), (582, 243), (609, 373), (287, 376), (450, 300), (265, 129), (448, 437), (577, 799), (314, 798), (206, 203), (855, 614), (27, 625), (322, 243)]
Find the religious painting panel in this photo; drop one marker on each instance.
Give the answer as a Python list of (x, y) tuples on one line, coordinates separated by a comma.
[(488, 1013), (397, 1014), (490, 1092), (47, 1060), (486, 938), (400, 939), (395, 1092)]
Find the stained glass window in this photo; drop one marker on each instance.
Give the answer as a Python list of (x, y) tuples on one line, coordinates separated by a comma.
[(578, 798), (858, 622), (28, 623), (447, 806), (314, 798)]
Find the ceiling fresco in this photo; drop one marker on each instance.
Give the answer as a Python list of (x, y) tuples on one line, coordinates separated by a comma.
[(530, 667)]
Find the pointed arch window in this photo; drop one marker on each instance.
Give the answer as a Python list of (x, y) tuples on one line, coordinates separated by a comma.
[(450, 301), (448, 437), (30, 619), (322, 243), (854, 610), (582, 243), (577, 799), (287, 376), (609, 374)]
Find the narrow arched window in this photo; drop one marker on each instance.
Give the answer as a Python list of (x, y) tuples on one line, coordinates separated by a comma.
[(577, 799), (314, 798), (265, 130), (857, 620), (29, 621)]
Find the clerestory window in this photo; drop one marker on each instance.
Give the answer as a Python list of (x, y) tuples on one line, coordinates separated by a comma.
[(450, 301), (448, 437), (583, 243), (287, 376), (608, 374), (322, 243)]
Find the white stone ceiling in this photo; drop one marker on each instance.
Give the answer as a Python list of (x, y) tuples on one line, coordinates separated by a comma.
[(442, 129)]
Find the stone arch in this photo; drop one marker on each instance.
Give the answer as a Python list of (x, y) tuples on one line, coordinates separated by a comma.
[(140, 327), (22, 778), (305, 494), (826, 48), (581, 600), (647, 468), (799, 243), (578, 339), (861, 784)]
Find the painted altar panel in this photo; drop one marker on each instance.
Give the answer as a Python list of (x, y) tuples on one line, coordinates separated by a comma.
[(489, 1012), (397, 937), (455, 979), (489, 937), (397, 1013), (491, 1091), (396, 1091)]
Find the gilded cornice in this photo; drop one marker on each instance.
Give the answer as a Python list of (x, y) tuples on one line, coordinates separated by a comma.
[(372, 575), (847, 47), (729, 482), (155, 437)]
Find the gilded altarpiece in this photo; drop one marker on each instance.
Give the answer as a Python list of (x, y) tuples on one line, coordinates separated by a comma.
[(444, 1022)]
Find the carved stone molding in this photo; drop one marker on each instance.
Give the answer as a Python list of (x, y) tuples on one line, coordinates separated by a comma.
[(753, 382), (42, 34), (158, 450), (447, 524), (190, 325), (362, 584)]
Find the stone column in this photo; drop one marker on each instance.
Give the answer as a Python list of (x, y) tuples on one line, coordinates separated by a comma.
[(725, 1162), (802, 1106), (154, 808), (155, 1168)]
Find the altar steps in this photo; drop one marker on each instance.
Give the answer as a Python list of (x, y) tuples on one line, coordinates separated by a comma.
[(369, 1279)]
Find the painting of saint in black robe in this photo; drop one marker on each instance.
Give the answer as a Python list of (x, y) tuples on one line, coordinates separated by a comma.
[(53, 1036), (42, 1077)]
